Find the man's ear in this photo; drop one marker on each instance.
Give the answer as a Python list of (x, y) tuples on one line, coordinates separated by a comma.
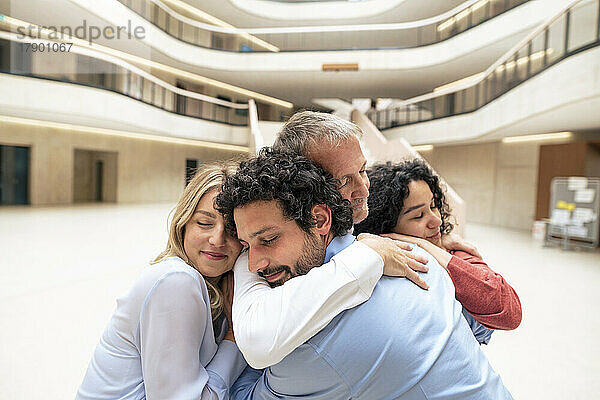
[(322, 218)]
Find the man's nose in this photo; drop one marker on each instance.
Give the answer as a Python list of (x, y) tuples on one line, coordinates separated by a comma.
[(256, 261), (361, 189)]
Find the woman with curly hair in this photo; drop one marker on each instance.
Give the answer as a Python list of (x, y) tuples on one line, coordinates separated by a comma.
[(171, 335), (407, 201)]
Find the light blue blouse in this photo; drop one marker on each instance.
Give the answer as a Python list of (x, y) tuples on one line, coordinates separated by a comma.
[(160, 343)]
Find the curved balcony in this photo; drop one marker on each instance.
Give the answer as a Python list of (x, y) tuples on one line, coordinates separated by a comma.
[(183, 22), (128, 97), (71, 60), (572, 31)]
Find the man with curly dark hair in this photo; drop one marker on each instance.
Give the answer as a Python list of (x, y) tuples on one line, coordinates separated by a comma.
[(403, 343), (299, 193), (345, 281)]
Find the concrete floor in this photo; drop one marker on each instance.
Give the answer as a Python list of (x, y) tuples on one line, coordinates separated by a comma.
[(63, 268)]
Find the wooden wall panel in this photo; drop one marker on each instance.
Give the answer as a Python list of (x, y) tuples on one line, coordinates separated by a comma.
[(567, 159)]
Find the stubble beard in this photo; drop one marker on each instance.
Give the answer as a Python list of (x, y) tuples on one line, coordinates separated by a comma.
[(313, 254)]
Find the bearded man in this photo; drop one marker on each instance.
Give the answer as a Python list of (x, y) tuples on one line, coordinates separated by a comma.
[(402, 343)]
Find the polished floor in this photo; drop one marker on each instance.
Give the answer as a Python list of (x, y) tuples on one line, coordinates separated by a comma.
[(63, 268)]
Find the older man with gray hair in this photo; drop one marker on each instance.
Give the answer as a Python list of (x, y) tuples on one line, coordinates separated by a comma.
[(334, 144)]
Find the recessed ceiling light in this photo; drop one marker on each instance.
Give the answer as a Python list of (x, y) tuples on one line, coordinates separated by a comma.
[(423, 147), (533, 138)]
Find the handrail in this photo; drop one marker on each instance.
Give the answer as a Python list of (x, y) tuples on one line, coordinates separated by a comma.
[(11, 36), (125, 79), (256, 138), (304, 38), (495, 65), (12, 24), (380, 150), (210, 27), (442, 103)]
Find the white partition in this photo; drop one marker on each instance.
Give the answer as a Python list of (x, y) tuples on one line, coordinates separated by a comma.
[(70, 103), (565, 97)]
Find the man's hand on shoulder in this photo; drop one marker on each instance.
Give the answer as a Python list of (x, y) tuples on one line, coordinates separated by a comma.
[(397, 258)]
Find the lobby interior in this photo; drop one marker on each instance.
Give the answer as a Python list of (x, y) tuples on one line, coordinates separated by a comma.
[(96, 144)]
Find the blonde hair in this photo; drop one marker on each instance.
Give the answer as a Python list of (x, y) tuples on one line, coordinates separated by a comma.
[(207, 178)]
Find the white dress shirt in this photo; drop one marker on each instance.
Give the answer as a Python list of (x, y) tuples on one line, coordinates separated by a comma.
[(270, 323)]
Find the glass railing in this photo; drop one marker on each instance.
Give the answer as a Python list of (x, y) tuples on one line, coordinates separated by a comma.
[(66, 62), (574, 30), (187, 24)]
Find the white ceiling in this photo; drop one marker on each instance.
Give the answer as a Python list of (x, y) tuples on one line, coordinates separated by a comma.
[(408, 10)]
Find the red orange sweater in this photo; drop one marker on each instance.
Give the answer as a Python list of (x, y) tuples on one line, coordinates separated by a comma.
[(484, 293)]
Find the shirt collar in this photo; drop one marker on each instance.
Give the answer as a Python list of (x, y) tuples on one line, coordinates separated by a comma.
[(338, 244)]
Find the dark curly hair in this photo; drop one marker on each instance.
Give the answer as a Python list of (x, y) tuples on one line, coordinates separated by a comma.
[(294, 181), (389, 189)]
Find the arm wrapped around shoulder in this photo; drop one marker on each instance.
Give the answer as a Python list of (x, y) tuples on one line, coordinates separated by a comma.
[(269, 323), (485, 294)]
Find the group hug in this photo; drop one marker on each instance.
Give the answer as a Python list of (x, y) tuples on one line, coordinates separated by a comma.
[(301, 274)]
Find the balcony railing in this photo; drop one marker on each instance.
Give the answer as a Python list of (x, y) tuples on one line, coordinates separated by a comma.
[(573, 30), (184, 23), (70, 63)]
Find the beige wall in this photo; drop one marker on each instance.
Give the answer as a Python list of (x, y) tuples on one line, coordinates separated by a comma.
[(148, 171), (497, 181)]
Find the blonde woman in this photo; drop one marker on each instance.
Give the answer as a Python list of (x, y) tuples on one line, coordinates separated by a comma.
[(171, 335)]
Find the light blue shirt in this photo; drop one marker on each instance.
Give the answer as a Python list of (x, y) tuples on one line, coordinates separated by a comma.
[(403, 343), (160, 342)]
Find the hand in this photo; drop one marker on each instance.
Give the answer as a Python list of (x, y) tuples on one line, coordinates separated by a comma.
[(397, 259), (441, 255), (227, 289), (409, 239), (452, 241)]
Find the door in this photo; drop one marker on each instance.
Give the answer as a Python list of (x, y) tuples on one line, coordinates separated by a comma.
[(14, 175), (99, 180)]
